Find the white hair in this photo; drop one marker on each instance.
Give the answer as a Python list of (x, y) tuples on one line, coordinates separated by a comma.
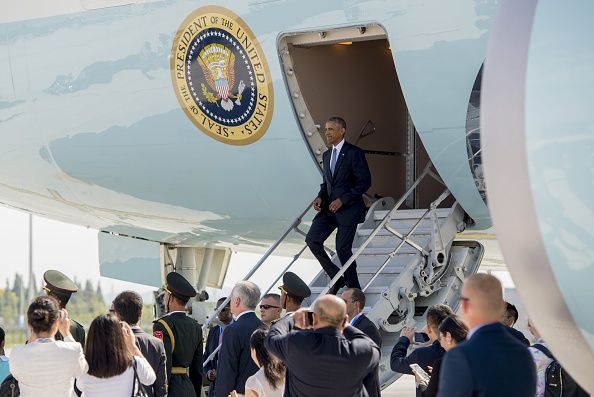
[(248, 293)]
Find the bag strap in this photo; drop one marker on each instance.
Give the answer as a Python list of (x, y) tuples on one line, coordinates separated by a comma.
[(544, 350), (170, 332), (135, 378)]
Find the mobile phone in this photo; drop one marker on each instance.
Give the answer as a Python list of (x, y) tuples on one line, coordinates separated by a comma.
[(420, 372), (421, 337), (309, 318)]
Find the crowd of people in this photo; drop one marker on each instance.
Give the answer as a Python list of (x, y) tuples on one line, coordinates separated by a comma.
[(330, 349)]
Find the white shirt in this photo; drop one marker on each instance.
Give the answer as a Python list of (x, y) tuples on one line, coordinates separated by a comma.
[(258, 383), (242, 313), (47, 368), (541, 361), (338, 148), (119, 385), (473, 331)]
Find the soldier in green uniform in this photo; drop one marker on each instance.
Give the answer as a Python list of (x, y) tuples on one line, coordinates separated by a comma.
[(182, 337), (59, 286)]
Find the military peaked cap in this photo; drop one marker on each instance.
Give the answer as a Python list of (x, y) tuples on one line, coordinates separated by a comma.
[(179, 287), (294, 286), (58, 283)]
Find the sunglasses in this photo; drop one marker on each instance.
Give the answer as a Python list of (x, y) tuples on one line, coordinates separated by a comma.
[(266, 307)]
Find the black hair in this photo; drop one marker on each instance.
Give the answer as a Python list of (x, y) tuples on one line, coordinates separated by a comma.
[(274, 369), (338, 120), (106, 350), (42, 314), (512, 311), (436, 314), (456, 328), (2, 335), (128, 306)]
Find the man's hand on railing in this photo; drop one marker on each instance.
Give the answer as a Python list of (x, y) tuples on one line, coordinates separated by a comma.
[(317, 204)]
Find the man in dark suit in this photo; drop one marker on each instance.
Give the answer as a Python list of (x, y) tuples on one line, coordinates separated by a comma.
[(509, 319), (491, 362), (423, 356), (346, 178), (213, 341), (128, 307), (235, 363), (326, 358), (355, 303), (182, 338)]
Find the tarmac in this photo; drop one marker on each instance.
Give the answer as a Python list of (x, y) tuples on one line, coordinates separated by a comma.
[(403, 387)]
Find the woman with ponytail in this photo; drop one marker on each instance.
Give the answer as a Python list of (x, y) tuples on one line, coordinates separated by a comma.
[(44, 366)]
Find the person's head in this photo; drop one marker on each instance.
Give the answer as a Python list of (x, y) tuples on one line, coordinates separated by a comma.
[(510, 315), (293, 292), (178, 292), (355, 301), (335, 130), (451, 332), (224, 315), (244, 296), (533, 330), (2, 339), (105, 349), (270, 308), (435, 315), (59, 286), (128, 307), (330, 311), (43, 315), (274, 369), (481, 300)]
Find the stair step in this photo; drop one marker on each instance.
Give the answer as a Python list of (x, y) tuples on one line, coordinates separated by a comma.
[(409, 214), (369, 291)]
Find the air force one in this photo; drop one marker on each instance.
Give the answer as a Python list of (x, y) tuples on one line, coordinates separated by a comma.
[(185, 131)]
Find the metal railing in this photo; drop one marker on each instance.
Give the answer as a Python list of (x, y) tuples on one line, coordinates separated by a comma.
[(405, 239), (384, 224)]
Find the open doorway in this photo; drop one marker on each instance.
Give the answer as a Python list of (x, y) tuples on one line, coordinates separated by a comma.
[(350, 72)]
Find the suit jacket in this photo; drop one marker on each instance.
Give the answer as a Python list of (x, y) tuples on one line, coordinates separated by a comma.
[(350, 181), (212, 342), (519, 336), (423, 356), (235, 362), (371, 381), (491, 363), (323, 362), (154, 351)]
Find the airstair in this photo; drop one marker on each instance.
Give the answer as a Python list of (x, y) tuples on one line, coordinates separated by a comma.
[(407, 260)]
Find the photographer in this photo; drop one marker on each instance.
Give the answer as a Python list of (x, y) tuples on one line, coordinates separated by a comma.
[(326, 356)]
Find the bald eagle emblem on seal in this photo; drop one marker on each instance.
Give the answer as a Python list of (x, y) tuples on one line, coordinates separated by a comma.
[(221, 77)]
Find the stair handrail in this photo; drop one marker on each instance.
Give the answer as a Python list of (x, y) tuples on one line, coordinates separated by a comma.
[(375, 231), (296, 222)]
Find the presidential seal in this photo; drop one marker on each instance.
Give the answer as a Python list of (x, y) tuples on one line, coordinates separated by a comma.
[(220, 76)]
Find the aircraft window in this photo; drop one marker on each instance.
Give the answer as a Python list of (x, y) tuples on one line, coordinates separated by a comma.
[(473, 135)]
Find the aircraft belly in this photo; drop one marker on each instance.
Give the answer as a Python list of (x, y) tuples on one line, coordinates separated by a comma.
[(92, 132)]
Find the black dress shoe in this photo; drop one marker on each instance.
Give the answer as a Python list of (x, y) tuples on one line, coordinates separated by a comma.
[(336, 287)]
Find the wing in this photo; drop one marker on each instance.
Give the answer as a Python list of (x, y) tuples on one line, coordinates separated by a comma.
[(231, 71), (207, 75)]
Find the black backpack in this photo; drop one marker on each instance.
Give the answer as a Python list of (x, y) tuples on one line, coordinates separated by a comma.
[(9, 387), (558, 383)]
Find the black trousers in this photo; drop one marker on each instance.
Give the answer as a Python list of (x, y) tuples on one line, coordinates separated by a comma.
[(323, 225)]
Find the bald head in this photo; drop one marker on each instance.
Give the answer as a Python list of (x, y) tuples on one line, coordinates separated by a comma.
[(482, 300), (330, 312)]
